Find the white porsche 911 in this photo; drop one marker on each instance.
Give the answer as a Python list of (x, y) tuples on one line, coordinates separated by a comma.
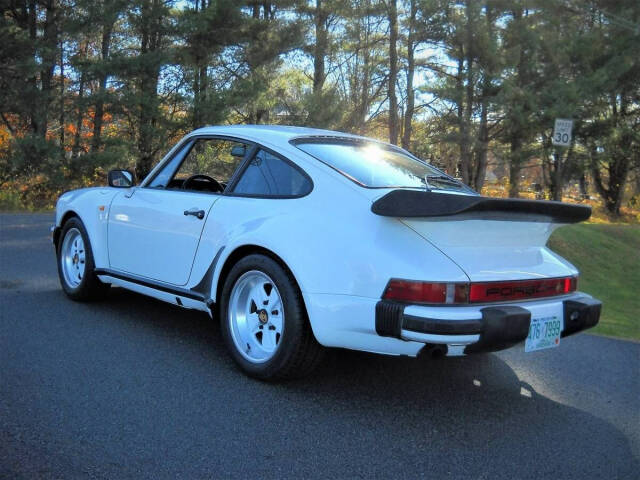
[(298, 238)]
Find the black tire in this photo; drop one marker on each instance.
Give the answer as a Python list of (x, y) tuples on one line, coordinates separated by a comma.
[(298, 353), (90, 287)]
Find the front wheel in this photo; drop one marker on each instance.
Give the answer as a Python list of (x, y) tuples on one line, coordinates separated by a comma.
[(264, 322), (76, 265)]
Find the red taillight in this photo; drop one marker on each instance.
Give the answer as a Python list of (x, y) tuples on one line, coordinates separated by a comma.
[(521, 289), (425, 292), (570, 284), (408, 291)]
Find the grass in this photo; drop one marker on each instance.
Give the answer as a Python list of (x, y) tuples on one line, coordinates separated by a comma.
[(608, 257)]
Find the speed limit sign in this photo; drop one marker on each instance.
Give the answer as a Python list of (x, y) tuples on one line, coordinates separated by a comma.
[(562, 132)]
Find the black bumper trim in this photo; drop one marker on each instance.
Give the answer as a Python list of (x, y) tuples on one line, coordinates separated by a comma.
[(580, 314), (389, 318), (500, 327), (441, 327)]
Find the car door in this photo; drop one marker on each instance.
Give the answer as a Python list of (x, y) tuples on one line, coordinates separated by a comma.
[(154, 230)]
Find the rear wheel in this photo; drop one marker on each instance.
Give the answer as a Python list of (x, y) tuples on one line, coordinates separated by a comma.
[(264, 322), (76, 265)]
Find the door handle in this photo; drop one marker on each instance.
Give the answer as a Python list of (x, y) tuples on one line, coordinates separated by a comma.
[(195, 213)]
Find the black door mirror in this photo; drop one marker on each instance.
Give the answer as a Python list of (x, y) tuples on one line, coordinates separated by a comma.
[(121, 179)]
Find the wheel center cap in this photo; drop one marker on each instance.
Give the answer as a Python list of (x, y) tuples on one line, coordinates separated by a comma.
[(263, 316), (75, 259)]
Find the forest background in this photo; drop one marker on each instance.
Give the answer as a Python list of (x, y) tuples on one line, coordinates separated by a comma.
[(473, 87)]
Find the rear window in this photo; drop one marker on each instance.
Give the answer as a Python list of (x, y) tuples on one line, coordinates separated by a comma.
[(376, 166)]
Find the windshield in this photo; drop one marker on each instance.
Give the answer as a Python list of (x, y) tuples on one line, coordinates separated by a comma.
[(374, 165)]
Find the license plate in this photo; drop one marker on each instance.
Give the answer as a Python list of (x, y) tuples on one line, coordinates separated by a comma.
[(544, 332)]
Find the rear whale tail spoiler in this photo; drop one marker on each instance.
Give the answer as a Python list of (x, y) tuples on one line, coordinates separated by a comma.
[(413, 203)]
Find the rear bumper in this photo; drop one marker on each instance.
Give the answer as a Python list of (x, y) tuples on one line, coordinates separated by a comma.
[(486, 329)]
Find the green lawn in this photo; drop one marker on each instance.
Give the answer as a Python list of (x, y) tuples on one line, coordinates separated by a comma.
[(608, 257)]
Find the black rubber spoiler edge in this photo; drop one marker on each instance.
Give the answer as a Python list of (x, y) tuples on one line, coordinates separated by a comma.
[(413, 203)]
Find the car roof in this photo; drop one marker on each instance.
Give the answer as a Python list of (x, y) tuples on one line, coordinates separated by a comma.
[(277, 134)]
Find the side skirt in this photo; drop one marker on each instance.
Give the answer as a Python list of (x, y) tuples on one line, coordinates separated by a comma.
[(167, 293)]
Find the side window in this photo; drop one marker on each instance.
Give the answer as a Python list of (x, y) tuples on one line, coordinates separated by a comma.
[(162, 179), (216, 158), (268, 175)]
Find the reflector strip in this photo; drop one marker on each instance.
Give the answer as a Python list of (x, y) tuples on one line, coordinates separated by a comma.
[(408, 291), (521, 289)]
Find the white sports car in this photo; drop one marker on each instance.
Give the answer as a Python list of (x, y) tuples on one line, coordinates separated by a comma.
[(298, 238)]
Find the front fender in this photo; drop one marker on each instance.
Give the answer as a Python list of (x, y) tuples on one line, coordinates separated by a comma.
[(91, 205)]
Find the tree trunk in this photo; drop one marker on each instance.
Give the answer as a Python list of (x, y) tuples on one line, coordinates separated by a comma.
[(365, 84), (61, 118), (393, 72), (480, 167), (96, 140), (619, 163), (488, 74), (467, 153), (75, 148), (518, 123), (204, 92), (546, 163), (148, 88), (49, 60), (200, 85), (559, 171), (460, 111), (467, 158), (584, 192), (196, 121), (147, 120), (46, 48), (32, 81), (465, 109), (515, 166), (411, 66), (613, 191), (320, 48), (556, 179)]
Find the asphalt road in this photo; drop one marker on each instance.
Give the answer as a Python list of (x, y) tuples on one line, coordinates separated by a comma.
[(134, 388)]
